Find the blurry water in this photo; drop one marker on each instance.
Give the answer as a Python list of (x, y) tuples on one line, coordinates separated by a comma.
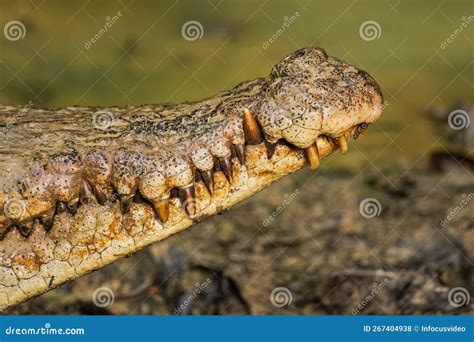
[(115, 53)]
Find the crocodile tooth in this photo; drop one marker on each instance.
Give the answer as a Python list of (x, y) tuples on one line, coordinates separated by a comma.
[(253, 136), (85, 195), (270, 149), (47, 219), (312, 155), (342, 142), (25, 228), (60, 207), (126, 203), (187, 196), (208, 178), (99, 193), (72, 206), (47, 222), (162, 208), (226, 167), (240, 152)]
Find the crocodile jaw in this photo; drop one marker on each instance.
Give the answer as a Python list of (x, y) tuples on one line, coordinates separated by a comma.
[(116, 235), (108, 225)]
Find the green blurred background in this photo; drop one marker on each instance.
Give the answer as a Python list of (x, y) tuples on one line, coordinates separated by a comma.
[(143, 57)]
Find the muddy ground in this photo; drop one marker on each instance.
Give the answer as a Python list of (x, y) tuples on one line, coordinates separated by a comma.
[(326, 251)]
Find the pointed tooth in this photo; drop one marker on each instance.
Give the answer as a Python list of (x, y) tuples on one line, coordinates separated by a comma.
[(162, 208), (227, 168), (342, 142), (240, 152), (174, 193), (60, 207), (72, 206), (85, 195), (47, 222), (253, 136), (270, 149), (126, 203), (208, 178), (197, 176), (47, 219), (188, 199), (25, 228), (312, 155), (99, 193), (139, 198)]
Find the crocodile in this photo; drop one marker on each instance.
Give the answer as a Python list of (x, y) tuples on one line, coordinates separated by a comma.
[(82, 187)]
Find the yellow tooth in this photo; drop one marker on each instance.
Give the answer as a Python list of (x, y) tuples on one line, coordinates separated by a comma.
[(253, 136), (240, 153), (312, 155), (342, 142), (208, 178), (162, 208), (188, 199), (270, 149), (227, 168)]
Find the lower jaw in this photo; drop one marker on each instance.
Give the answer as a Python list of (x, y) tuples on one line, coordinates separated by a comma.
[(71, 249)]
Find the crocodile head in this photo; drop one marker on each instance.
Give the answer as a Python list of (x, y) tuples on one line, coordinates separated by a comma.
[(312, 94), (77, 196)]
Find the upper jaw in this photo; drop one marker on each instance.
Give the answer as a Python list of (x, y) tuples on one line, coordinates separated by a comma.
[(140, 194)]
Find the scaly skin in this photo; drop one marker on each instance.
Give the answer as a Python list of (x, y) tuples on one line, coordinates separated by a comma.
[(83, 187)]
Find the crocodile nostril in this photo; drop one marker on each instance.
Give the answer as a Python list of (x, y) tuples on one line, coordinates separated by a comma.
[(299, 52)]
